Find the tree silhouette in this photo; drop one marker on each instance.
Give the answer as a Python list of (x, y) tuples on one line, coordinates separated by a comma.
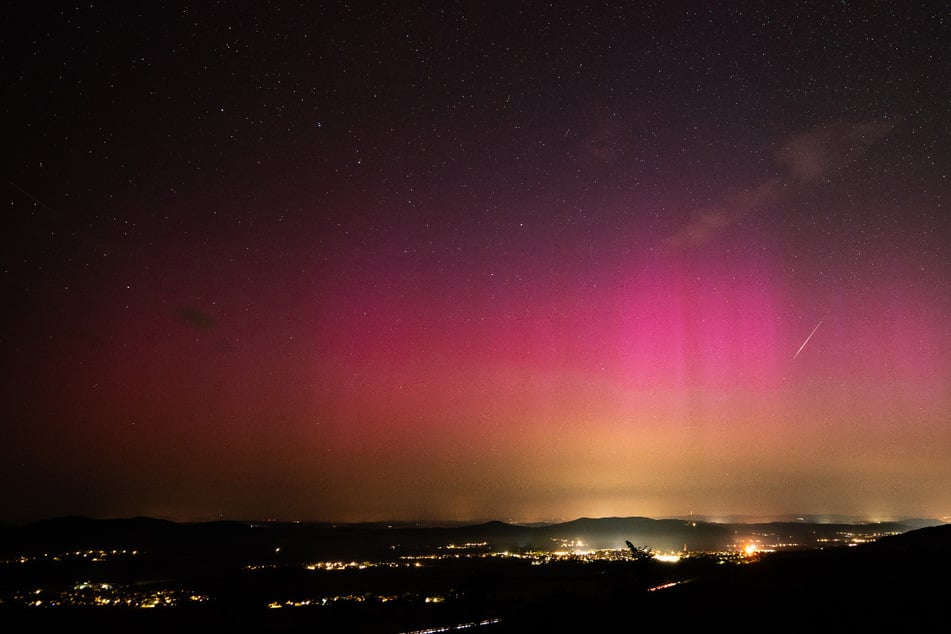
[(639, 554)]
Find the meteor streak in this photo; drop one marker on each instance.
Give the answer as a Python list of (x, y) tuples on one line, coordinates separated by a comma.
[(807, 339)]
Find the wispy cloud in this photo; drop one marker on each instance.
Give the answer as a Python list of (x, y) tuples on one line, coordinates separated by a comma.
[(197, 318), (709, 222), (804, 158)]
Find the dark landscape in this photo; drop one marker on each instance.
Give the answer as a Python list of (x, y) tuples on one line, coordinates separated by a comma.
[(540, 316), (491, 577)]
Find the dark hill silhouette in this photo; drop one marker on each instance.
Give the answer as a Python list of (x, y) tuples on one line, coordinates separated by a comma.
[(378, 539), (898, 581)]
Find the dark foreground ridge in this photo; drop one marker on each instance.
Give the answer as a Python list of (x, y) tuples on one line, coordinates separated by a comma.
[(493, 577)]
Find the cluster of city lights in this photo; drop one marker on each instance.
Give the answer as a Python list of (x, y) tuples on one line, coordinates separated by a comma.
[(745, 549), (94, 555), (354, 598), (101, 594)]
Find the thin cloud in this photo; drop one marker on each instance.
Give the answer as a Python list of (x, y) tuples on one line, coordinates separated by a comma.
[(815, 153), (197, 318), (805, 158), (709, 222)]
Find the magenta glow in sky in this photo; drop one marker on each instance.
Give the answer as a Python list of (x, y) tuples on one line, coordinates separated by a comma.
[(541, 264)]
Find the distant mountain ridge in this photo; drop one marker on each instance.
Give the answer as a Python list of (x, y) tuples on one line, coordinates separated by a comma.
[(919, 522), (375, 538), (895, 582)]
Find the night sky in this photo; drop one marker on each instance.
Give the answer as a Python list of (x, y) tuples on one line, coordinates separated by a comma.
[(458, 261)]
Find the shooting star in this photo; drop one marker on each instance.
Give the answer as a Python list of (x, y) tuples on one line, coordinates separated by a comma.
[(807, 339), (30, 196)]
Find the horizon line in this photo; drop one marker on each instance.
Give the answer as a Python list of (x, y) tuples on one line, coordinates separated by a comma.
[(811, 518)]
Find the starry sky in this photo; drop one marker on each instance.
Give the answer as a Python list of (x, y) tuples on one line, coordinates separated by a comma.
[(456, 261)]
